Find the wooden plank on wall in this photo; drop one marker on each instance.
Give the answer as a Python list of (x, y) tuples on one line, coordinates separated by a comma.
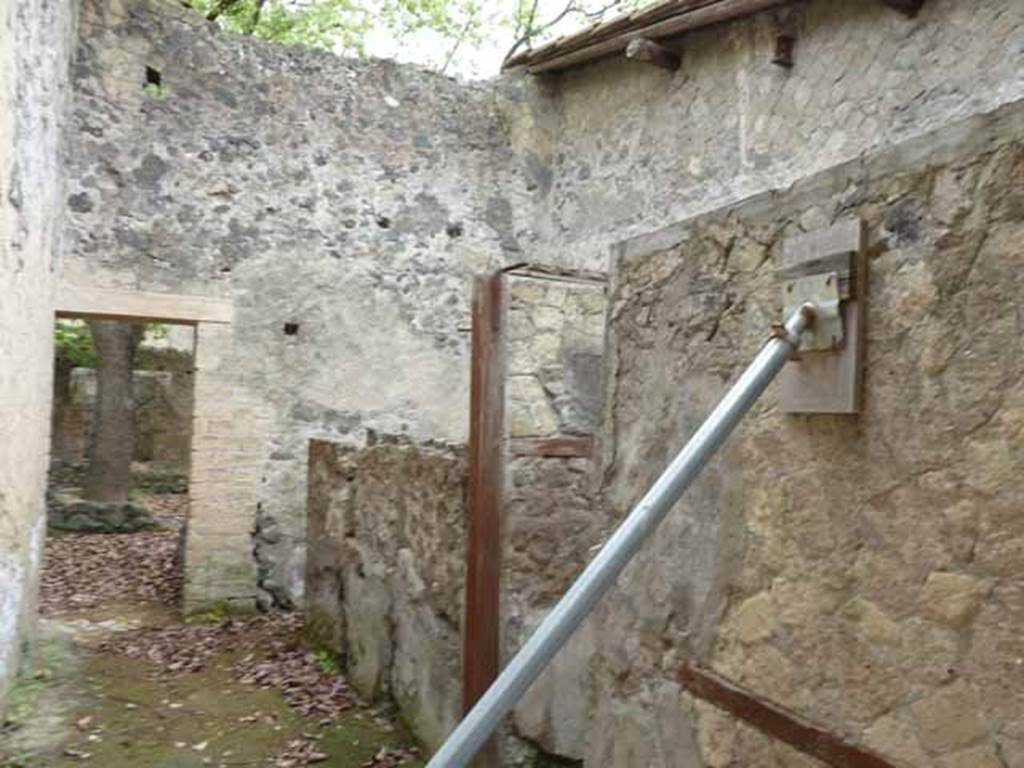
[(481, 653), (562, 447), (140, 306), (829, 382)]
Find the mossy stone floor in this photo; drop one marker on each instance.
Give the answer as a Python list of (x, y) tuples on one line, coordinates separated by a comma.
[(80, 704)]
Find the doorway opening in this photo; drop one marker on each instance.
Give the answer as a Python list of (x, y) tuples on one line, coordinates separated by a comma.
[(117, 501)]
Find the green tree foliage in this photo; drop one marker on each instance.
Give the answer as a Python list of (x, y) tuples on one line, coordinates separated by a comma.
[(73, 340), (342, 25), (532, 20)]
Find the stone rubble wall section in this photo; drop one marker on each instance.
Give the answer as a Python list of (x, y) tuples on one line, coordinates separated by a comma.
[(866, 573), (550, 517), (35, 44), (163, 413), (555, 349), (352, 202), (622, 148), (343, 206), (388, 566)]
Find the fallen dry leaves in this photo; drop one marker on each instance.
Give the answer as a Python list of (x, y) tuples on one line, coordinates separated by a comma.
[(389, 758), (304, 751), (83, 571), (274, 658)]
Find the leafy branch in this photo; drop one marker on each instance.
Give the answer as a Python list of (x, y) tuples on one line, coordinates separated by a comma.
[(529, 28), (343, 25)]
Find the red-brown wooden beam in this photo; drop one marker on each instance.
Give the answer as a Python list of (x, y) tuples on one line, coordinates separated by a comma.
[(482, 639), (552, 447), (777, 722)]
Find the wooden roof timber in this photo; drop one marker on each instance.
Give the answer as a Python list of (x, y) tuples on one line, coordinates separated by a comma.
[(657, 22), (599, 30)]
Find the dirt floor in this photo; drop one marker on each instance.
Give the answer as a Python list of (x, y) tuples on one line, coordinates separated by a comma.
[(117, 680)]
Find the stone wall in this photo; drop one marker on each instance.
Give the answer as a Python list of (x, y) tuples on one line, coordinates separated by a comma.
[(343, 207), (387, 556), (864, 572), (551, 520), (163, 411), (35, 43), (620, 148)]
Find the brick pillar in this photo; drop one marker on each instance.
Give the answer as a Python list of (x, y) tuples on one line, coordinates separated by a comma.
[(229, 426)]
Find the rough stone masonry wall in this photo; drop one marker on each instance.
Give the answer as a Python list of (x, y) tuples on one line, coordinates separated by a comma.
[(354, 200), (342, 205), (620, 148), (554, 366), (35, 43), (163, 411), (866, 572), (386, 563)]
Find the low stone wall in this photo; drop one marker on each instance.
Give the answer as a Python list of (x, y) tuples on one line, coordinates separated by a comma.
[(387, 531), (163, 412)]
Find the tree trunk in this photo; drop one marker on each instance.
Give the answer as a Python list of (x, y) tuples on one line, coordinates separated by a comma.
[(113, 441)]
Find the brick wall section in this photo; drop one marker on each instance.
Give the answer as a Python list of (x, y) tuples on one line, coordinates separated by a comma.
[(229, 432)]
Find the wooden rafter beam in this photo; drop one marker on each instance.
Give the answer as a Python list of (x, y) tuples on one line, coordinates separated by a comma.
[(613, 37), (650, 52)]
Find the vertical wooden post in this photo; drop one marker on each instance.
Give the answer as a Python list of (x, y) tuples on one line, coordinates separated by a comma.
[(481, 658)]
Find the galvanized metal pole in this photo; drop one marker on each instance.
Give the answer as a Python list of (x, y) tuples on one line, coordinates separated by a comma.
[(600, 575)]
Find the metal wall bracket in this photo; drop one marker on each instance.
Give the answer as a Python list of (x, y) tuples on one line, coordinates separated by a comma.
[(826, 267), (822, 290)]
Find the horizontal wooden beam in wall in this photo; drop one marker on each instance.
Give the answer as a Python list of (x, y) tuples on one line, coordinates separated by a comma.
[(687, 20), (776, 721), (552, 447), (550, 272), (140, 306)]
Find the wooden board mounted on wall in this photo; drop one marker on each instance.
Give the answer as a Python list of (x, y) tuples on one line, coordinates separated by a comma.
[(828, 381)]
